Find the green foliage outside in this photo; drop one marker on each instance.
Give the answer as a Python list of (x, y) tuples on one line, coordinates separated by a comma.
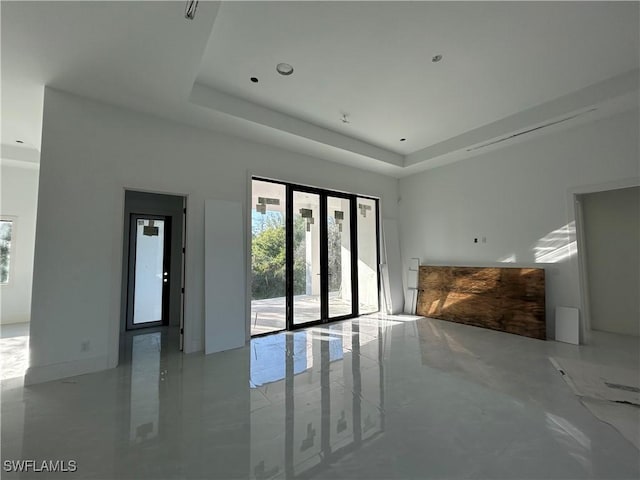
[(5, 247), (335, 256), (269, 257)]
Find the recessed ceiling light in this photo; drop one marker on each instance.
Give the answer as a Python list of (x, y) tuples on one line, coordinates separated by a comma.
[(403, 139), (436, 58), (284, 69), (254, 79), (19, 141)]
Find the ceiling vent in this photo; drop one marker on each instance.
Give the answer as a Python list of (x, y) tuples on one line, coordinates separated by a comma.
[(534, 129)]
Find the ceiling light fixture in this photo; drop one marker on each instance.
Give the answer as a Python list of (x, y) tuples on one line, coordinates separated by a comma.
[(19, 141), (403, 139), (190, 9), (284, 69), (254, 79), (436, 58)]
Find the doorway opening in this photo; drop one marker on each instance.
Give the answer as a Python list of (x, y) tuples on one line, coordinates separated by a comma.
[(607, 218), (314, 256), (153, 265)]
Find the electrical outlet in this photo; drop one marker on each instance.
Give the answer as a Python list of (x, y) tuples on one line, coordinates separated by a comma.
[(85, 346)]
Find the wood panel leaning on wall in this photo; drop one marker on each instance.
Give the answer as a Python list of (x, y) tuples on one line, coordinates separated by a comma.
[(505, 299)]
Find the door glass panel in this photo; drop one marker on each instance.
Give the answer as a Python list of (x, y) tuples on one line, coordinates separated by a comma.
[(339, 243), (306, 257), (367, 256), (148, 271), (268, 257)]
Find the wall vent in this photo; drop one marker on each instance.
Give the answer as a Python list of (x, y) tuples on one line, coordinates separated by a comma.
[(540, 127)]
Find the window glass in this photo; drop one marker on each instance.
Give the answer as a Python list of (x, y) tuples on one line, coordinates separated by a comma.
[(6, 234)]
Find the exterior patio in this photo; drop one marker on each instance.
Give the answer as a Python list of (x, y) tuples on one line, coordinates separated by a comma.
[(269, 315)]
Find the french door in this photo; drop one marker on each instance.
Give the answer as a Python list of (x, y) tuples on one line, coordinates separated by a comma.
[(314, 256), (322, 254)]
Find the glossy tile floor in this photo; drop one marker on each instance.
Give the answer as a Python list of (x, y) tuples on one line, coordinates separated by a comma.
[(14, 350), (387, 397)]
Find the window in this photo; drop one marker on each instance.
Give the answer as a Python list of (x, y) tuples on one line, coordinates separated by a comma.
[(7, 233)]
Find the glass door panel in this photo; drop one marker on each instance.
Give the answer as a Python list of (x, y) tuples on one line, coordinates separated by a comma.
[(306, 258), (268, 257), (149, 271), (339, 256), (367, 225)]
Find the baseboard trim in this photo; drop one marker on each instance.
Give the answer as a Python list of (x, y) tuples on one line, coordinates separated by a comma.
[(46, 373)]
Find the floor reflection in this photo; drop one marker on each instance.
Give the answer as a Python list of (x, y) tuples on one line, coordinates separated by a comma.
[(311, 382), (145, 376), (14, 350), (378, 397)]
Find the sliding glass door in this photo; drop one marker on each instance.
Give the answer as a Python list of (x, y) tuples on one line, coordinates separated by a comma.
[(313, 238)]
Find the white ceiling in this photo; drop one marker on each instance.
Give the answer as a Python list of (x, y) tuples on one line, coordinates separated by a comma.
[(506, 67), (131, 53), (373, 61)]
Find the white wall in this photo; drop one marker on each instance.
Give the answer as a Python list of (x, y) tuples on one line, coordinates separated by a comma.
[(611, 222), (91, 152), (19, 197), (518, 198)]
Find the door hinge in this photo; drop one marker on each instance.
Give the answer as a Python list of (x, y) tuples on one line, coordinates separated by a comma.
[(184, 210), (182, 289), (184, 250), (181, 331)]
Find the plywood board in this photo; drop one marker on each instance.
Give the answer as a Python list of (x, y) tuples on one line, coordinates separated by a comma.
[(507, 299)]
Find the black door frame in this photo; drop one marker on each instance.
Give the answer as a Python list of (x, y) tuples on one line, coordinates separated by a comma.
[(323, 195), (166, 263)]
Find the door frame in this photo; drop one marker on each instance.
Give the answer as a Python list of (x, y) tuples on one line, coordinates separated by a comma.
[(578, 249), (166, 264)]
